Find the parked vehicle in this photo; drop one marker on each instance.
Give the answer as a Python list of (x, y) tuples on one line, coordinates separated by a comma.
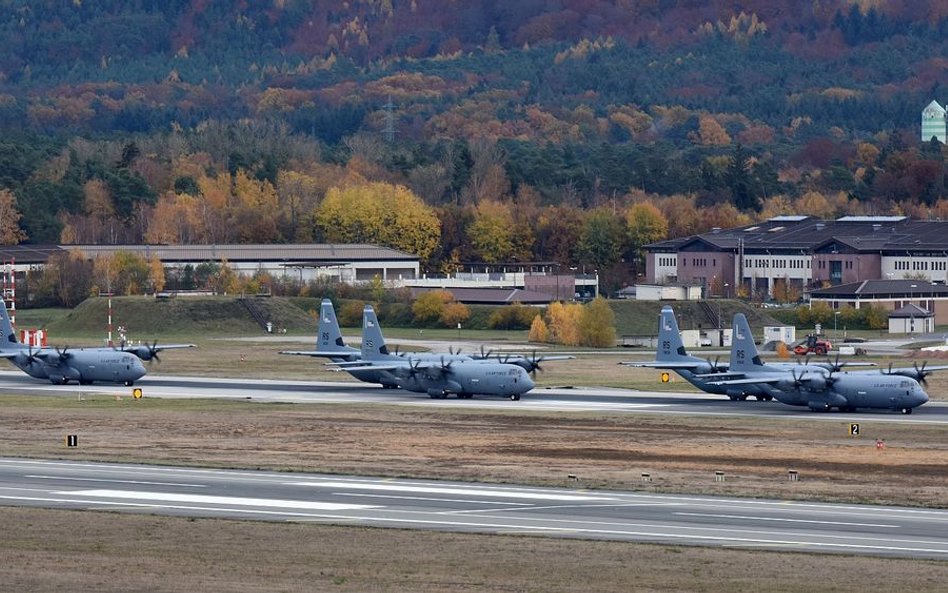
[(813, 344)]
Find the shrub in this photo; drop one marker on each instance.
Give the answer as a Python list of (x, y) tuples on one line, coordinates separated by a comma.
[(515, 316)]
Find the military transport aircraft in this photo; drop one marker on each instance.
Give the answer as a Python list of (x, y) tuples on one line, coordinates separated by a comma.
[(671, 355), (330, 344), (437, 378), (819, 388), (704, 374), (84, 365)]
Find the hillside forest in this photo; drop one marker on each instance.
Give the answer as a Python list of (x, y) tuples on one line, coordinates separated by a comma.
[(572, 132)]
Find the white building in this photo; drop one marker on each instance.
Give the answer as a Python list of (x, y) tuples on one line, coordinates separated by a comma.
[(934, 122), (349, 263)]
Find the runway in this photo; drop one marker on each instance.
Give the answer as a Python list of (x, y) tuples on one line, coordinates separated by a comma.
[(480, 508), (579, 399)]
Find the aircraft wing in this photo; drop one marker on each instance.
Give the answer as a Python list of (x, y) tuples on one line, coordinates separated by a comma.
[(671, 365), (369, 367), (155, 347), (914, 371), (351, 363), (510, 357), (763, 378), (725, 376), (11, 353), (318, 353)]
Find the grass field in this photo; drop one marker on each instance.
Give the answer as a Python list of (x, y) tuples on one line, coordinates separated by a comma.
[(112, 552), (96, 551), (43, 550)]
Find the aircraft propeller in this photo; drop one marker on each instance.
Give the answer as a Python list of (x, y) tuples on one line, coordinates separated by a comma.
[(147, 352), (797, 379), (64, 353), (413, 368), (485, 354), (534, 362), (31, 356), (715, 368), (920, 373)]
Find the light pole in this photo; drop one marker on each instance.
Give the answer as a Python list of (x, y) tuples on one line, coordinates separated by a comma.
[(835, 318)]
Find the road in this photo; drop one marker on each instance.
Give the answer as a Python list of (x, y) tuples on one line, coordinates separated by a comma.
[(580, 399), (473, 507)]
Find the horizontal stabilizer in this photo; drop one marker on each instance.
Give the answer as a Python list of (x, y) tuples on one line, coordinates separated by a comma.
[(685, 365), (753, 380), (369, 367), (321, 353)]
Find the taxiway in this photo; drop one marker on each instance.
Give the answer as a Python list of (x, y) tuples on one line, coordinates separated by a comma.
[(580, 399)]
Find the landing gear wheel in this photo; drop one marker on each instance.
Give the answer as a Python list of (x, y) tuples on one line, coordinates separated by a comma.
[(515, 397), (906, 410), (129, 383), (764, 398)]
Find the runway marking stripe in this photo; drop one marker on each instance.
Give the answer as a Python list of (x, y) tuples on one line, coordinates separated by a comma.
[(654, 536), (456, 491), (221, 500), (784, 520), (139, 482), (518, 505)]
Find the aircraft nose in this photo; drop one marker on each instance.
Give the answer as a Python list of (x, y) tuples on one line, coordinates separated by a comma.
[(529, 382), (921, 397)]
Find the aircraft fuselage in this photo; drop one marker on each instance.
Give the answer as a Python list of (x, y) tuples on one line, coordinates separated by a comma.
[(81, 365)]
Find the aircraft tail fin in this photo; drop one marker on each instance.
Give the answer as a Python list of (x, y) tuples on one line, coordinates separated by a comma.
[(744, 354), (373, 343), (329, 338), (9, 338), (670, 346)]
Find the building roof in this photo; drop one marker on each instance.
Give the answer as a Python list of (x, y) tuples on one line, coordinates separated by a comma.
[(300, 254), (910, 311), (305, 252), (934, 106), (889, 235), (492, 296), (874, 289), (28, 254)]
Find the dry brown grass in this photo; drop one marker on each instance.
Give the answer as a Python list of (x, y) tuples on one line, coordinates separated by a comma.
[(680, 453), (45, 550)]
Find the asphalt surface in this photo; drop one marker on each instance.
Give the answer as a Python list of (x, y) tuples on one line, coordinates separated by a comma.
[(581, 399), (473, 507)]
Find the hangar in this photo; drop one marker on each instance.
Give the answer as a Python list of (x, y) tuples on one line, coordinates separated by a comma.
[(350, 263)]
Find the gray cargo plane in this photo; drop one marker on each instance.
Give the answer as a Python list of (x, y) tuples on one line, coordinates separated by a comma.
[(83, 365), (671, 355), (330, 344), (706, 375), (437, 378), (819, 388)]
